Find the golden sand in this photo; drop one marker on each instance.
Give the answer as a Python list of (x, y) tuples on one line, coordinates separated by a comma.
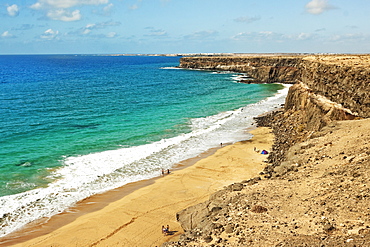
[(137, 218)]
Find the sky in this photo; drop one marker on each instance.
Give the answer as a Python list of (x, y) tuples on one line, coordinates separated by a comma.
[(184, 26)]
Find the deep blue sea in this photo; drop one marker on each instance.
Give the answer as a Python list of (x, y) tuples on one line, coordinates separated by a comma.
[(76, 125)]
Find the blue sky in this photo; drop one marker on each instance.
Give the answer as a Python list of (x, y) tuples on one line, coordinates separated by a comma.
[(183, 26)]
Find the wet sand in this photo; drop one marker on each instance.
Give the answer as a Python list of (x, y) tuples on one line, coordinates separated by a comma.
[(135, 214)]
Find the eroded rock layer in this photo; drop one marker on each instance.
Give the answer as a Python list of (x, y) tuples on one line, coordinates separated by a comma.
[(341, 79)]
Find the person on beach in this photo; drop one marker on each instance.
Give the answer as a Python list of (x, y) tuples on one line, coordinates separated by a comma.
[(165, 230), (168, 171), (162, 172)]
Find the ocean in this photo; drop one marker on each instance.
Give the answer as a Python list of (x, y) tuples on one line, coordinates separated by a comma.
[(76, 125)]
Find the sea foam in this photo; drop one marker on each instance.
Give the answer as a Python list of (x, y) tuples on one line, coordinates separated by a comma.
[(86, 175)]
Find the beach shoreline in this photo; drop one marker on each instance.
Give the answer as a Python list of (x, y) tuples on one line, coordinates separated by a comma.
[(91, 204), (63, 226)]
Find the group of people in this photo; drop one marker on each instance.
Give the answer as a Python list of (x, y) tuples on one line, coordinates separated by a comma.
[(167, 172), (166, 230)]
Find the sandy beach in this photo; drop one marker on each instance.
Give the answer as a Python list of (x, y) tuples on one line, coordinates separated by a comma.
[(137, 218)]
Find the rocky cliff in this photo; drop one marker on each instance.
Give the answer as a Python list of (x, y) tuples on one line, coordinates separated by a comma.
[(321, 200), (340, 79), (262, 69), (315, 189)]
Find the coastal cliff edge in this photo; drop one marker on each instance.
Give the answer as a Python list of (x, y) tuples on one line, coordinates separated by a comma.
[(315, 188)]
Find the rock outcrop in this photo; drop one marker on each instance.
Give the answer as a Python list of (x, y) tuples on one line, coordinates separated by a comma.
[(341, 79), (263, 69), (321, 198), (314, 190)]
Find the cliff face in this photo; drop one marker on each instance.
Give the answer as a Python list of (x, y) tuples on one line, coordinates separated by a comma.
[(340, 82), (321, 200), (340, 79), (262, 69), (326, 89), (314, 190)]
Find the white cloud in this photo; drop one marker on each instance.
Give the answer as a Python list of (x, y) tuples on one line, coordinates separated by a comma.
[(57, 9), (201, 34), (85, 31), (136, 5), (247, 19), (108, 9), (64, 15), (269, 35), (349, 37), (36, 6), (105, 11), (262, 35), (304, 36), (266, 33), (94, 26), (6, 34), (102, 25), (111, 35), (241, 35), (64, 4), (156, 32), (133, 7), (317, 7), (13, 10), (49, 34), (300, 36)]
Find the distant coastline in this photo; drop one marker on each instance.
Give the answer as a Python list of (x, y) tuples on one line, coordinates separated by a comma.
[(222, 54)]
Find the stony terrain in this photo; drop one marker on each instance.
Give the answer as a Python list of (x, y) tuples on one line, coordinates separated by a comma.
[(315, 189), (319, 197)]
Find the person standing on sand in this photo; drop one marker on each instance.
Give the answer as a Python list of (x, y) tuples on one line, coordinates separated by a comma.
[(165, 230)]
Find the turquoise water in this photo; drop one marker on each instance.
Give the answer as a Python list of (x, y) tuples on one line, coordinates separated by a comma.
[(75, 125)]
